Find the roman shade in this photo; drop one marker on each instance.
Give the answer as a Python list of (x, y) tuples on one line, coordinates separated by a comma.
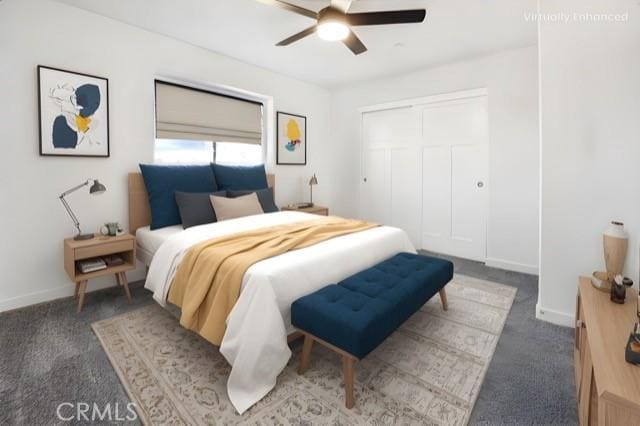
[(189, 113)]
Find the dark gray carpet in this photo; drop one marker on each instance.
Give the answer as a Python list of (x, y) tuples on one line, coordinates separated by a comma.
[(49, 355), (530, 379)]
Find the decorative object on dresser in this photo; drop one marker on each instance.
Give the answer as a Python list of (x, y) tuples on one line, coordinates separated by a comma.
[(291, 139), (111, 229), (619, 288), (304, 207), (73, 113), (615, 242), (608, 388), (355, 316), (632, 351), (313, 181), (95, 252), (96, 189)]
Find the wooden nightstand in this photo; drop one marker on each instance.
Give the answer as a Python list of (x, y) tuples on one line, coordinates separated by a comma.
[(99, 246), (323, 211)]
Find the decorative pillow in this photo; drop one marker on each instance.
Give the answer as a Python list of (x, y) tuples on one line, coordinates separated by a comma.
[(240, 177), (163, 181), (195, 207), (231, 208), (265, 196)]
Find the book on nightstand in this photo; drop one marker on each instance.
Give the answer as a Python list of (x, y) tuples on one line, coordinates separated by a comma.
[(113, 260), (91, 265)]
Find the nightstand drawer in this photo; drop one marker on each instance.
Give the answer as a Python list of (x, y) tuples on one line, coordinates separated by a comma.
[(103, 249)]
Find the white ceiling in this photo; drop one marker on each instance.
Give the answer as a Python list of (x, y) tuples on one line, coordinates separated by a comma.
[(248, 30)]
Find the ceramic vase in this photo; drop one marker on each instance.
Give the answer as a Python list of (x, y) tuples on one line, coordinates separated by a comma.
[(615, 241)]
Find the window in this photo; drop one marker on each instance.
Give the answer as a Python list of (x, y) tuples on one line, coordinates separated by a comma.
[(237, 153), (178, 151), (198, 126)]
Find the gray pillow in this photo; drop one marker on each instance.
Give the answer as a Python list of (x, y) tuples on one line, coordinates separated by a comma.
[(195, 207), (265, 196)]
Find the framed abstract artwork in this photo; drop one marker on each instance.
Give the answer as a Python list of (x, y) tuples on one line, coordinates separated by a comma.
[(291, 139), (73, 112)]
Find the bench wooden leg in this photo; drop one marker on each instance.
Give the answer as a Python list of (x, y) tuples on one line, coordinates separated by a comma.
[(347, 366), (306, 354), (443, 299)]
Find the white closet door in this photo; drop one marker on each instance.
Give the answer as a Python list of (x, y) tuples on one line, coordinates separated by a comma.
[(405, 191), (387, 137), (436, 200), (455, 170), (375, 188)]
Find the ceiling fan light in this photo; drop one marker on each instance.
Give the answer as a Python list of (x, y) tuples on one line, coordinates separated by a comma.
[(333, 30)]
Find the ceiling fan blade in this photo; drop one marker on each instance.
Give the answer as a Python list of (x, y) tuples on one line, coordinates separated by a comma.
[(354, 44), (298, 36), (388, 17), (341, 5), (291, 8)]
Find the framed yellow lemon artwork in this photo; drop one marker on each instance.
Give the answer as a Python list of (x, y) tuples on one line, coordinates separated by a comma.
[(291, 137)]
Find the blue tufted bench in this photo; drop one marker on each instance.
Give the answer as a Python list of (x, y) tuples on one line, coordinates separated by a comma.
[(356, 315)]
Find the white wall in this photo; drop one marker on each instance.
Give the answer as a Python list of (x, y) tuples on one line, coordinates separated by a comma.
[(511, 79), (34, 222), (590, 142)]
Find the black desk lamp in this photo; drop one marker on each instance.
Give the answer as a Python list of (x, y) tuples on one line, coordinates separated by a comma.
[(312, 181), (96, 189)]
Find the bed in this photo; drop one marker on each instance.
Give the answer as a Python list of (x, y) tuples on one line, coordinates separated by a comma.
[(255, 341)]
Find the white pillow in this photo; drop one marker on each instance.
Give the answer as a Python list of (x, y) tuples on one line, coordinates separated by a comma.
[(230, 208)]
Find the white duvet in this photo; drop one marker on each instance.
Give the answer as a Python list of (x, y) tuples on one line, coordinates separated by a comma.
[(255, 343)]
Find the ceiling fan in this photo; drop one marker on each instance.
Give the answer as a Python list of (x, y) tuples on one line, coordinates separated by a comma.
[(334, 22)]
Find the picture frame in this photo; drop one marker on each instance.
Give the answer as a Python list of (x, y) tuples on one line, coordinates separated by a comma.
[(73, 113), (291, 139)]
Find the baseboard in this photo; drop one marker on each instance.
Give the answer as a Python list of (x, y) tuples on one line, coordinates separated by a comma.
[(511, 266), (60, 292), (555, 317)]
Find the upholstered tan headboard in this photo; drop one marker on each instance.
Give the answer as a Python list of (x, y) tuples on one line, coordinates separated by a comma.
[(139, 210)]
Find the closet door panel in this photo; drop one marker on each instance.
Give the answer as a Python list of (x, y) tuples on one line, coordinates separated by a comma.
[(390, 127), (468, 217), (405, 191), (460, 122), (436, 198), (375, 187)]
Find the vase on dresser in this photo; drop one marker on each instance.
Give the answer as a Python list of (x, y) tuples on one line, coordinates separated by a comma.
[(615, 242)]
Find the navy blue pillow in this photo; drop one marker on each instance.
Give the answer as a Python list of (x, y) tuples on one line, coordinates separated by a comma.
[(240, 177), (163, 181), (265, 197)]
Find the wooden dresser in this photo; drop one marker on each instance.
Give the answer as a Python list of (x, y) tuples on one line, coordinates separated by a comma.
[(608, 388)]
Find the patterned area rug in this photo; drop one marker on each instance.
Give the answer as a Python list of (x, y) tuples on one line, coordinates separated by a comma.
[(428, 372)]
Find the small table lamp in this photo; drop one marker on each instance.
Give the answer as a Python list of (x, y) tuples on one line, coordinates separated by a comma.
[(96, 189), (312, 181)]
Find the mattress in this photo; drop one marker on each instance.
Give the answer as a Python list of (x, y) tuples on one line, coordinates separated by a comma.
[(149, 241)]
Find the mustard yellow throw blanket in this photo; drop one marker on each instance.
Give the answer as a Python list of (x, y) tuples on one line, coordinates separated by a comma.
[(207, 283)]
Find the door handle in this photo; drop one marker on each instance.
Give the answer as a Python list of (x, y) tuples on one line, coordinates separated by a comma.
[(480, 184), (365, 179)]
